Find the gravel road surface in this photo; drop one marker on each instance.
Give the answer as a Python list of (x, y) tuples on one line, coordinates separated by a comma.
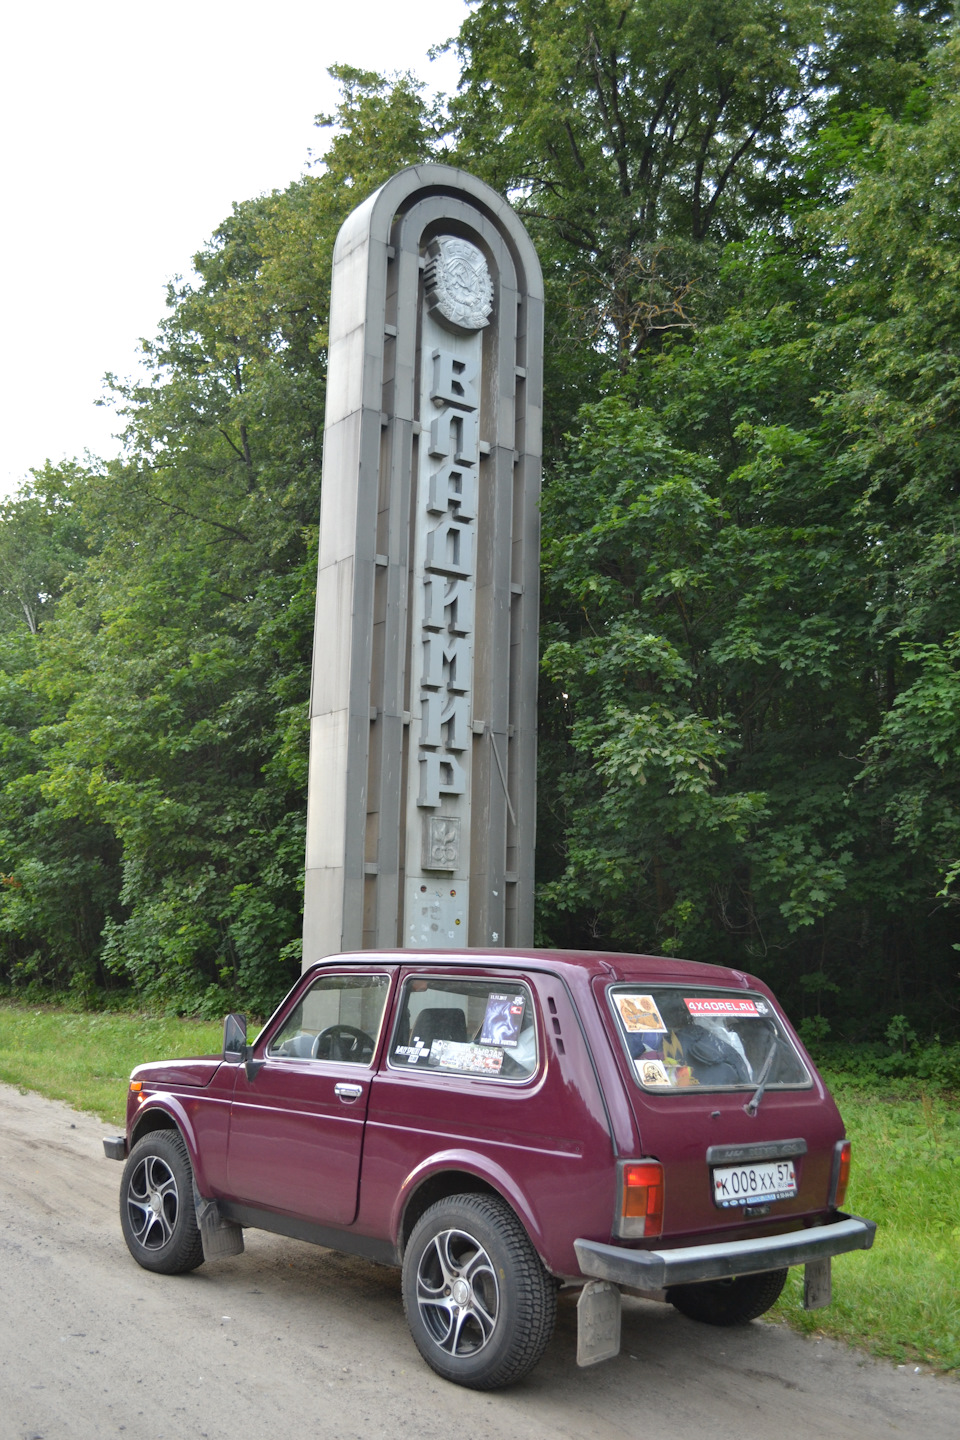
[(291, 1340)]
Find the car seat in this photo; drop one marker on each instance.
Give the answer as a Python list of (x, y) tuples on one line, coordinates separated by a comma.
[(440, 1022)]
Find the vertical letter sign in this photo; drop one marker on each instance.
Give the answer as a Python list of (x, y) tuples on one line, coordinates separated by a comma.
[(420, 813)]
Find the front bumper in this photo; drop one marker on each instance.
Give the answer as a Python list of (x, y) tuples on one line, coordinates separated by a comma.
[(115, 1147), (657, 1269)]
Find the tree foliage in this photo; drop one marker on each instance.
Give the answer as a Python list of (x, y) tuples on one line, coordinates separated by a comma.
[(636, 137), (747, 217), (152, 723), (764, 518)]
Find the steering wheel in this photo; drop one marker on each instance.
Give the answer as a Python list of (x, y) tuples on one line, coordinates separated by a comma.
[(359, 1050)]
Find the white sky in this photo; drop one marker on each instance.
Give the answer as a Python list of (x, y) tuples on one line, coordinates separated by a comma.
[(128, 131)]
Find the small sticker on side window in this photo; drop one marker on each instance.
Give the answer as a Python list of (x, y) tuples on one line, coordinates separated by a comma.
[(414, 1052), (455, 1055), (501, 1023)]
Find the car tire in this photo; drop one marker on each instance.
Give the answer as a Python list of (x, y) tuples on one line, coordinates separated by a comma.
[(729, 1302), (157, 1211), (478, 1301)]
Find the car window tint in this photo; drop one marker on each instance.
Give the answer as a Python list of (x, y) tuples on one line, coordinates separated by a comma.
[(465, 1027), (338, 1019)]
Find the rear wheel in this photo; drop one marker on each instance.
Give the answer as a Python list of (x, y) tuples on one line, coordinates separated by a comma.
[(729, 1302), (479, 1303), (157, 1212)]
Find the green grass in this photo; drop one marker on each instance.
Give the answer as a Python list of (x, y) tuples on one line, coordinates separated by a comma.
[(901, 1300), (86, 1059)]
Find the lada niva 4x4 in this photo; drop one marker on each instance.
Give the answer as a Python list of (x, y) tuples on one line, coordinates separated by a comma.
[(500, 1124)]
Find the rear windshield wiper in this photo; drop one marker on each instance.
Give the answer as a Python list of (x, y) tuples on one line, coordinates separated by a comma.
[(753, 1104)]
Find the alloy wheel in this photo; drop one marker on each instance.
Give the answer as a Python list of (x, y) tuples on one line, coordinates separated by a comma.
[(457, 1293), (153, 1203)]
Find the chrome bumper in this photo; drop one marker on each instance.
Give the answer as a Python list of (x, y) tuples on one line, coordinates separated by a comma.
[(657, 1269)]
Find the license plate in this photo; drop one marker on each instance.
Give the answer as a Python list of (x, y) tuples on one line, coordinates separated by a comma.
[(754, 1184)]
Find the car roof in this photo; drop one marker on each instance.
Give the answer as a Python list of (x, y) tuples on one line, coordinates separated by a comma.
[(573, 964)]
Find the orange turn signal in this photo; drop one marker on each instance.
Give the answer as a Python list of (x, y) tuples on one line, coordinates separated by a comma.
[(641, 1198), (842, 1173), (136, 1084)]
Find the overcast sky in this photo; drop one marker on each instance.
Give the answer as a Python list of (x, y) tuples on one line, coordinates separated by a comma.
[(129, 129)]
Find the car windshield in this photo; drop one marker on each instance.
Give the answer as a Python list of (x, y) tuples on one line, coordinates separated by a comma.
[(715, 1039)]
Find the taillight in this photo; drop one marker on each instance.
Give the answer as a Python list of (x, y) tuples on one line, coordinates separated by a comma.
[(640, 1207), (841, 1173)]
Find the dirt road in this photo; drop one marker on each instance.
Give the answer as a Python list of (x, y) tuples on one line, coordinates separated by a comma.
[(290, 1340)]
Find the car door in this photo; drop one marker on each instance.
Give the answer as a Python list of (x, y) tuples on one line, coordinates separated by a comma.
[(465, 1073), (297, 1118)]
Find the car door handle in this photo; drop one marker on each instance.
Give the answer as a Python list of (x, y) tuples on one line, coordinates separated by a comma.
[(347, 1093)]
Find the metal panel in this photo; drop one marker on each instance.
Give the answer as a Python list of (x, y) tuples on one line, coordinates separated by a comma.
[(691, 1265)]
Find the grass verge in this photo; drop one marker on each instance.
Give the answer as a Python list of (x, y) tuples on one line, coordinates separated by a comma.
[(86, 1059), (902, 1300)]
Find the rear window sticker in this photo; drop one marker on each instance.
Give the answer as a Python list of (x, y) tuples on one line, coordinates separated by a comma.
[(639, 1012), (460, 1055), (725, 1005), (501, 1023), (652, 1072)]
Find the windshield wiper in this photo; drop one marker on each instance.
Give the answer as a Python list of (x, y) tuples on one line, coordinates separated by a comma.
[(753, 1104)]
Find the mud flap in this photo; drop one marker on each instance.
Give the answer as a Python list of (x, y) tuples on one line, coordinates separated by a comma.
[(598, 1322), (817, 1289), (221, 1238)]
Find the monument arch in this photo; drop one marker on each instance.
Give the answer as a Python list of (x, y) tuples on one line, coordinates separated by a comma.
[(422, 780)]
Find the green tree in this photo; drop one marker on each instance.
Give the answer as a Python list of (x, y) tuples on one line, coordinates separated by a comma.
[(40, 545), (898, 321), (58, 878), (746, 213), (167, 696), (636, 137), (749, 567)]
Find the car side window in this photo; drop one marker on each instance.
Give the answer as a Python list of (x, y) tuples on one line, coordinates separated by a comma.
[(465, 1027), (338, 1018)]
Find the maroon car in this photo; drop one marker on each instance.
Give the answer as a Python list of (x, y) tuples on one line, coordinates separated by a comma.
[(500, 1124)]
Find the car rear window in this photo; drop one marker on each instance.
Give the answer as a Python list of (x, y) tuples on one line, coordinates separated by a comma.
[(679, 1037), (465, 1027)]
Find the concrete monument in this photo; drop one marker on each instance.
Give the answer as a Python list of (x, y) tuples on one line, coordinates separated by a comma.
[(420, 813)]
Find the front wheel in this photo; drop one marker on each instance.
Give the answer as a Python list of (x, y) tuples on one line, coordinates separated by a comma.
[(157, 1213), (479, 1303), (729, 1302)]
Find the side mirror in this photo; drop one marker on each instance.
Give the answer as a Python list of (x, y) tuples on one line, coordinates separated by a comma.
[(235, 1047), (235, 1038)]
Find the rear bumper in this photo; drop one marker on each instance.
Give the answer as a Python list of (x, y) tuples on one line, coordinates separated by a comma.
[(657, 1269)]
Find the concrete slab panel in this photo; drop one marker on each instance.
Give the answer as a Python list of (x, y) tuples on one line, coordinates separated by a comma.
[(326, 800), (345, 374), (334, 612)]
